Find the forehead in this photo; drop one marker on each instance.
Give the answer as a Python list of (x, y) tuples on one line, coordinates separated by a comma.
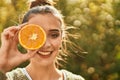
[(47, 21)]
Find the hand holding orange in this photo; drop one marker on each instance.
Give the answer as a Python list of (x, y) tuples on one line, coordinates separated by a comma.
[(31, 36)]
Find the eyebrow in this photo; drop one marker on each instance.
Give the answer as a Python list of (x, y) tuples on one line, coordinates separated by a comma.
[(56, 30)]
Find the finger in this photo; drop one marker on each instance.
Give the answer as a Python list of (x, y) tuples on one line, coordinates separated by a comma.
[(16, 36), (10, 33), (9, 37), (15, 43), (20, 26), (29, 55), (12, 28), (6, 35)]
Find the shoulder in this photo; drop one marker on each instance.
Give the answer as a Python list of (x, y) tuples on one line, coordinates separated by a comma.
[(16, 74), (71, 76)]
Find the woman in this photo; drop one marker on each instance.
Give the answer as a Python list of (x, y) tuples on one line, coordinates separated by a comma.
[(42, 64)]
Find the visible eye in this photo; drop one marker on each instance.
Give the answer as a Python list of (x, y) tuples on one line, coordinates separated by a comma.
[(55, 35)]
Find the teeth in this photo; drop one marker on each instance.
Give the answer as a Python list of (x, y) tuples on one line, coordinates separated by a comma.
[(44, 53)]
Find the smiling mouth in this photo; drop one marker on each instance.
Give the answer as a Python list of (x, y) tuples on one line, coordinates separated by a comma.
[(45, 53)]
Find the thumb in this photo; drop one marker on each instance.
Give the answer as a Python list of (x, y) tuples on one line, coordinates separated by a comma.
[(29, 54)]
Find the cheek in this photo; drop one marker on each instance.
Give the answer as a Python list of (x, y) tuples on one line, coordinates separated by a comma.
[(57, 43)]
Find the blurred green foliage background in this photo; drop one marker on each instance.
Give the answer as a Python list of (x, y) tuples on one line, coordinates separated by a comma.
[(98, 26)]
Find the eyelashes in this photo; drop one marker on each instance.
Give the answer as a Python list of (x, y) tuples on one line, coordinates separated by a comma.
[(54, 35)]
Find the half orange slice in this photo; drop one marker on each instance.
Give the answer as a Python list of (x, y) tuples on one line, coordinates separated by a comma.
[(31, 36)]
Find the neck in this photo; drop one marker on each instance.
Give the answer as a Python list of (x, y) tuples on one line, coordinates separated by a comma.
[(43, 72)]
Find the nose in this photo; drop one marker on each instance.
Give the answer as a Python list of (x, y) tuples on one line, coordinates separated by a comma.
[(47, 44)]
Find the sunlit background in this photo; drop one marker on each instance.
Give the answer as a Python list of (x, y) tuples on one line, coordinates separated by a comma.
[(97, 23)]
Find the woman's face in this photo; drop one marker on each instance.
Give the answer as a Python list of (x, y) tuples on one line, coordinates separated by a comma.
[(47, 53)]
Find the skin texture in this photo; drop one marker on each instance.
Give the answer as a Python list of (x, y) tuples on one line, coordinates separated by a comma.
[(42, 61)]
